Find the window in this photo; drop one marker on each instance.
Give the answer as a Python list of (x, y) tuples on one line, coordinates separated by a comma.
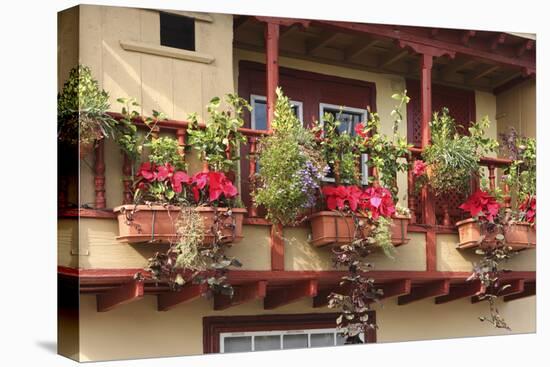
[(230, 334), (349, 118), (259, 111), (277, 340), (177, 31)]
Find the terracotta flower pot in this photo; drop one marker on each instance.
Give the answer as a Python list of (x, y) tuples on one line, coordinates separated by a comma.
[(156, 223), (399, 228), (333, 228), (518, 235)]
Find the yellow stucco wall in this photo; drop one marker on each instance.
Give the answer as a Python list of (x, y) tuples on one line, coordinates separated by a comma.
[(138, 330), (516, 108)]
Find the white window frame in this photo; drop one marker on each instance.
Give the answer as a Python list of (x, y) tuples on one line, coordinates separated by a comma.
[(364, 157), (281, 333), (256, 97)]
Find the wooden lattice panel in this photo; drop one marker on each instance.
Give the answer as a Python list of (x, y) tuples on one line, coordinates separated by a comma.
[(461, 105)]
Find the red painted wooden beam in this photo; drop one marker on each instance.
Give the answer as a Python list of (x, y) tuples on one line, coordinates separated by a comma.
[(428, 290), (459, 291), (126, 293), (169, 300), (284, 295), (244, 293), (530, 289), (277, 245), (272, 62), (525, 46)]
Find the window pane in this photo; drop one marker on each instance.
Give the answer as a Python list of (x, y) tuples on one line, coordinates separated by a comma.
[(340, 339), (260, 115), (177, 31), (267, 342), (322, 340), (237, 344), (295, 341)]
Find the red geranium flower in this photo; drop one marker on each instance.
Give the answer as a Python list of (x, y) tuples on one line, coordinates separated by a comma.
[(337, 197), (218, 184), (482, 205), (360, 130), (164, 172), (178, 179), (147, 171), (378, 201), (529, 208), (419, 168)]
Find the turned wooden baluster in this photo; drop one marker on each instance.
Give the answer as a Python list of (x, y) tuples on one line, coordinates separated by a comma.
[(180, 134), (99, 175), (252, 210), (411, 199), (376, 182), (492, 184), (127, 196), (446, 214)]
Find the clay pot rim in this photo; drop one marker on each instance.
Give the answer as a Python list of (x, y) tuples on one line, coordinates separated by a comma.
[(472, 220), (335, 213), (144, 207)]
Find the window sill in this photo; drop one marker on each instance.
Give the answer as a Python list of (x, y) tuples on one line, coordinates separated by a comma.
[(164, 51)]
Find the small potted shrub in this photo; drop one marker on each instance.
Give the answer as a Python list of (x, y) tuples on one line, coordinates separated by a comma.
[(82, 111), (451, 160), (290, 167)]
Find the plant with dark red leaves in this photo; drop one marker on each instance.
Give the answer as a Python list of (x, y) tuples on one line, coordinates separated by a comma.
[(528, 209)]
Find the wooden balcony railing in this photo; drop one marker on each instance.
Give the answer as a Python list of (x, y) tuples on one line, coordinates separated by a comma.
[(179, 129)]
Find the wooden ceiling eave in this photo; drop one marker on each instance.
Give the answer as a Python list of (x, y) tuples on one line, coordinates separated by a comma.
[(115, 287)]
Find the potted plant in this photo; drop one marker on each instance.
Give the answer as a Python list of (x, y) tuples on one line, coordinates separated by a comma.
[(162, 187), (290, 167), (491, 223), (343, 151), (82, 111), (450, 160)]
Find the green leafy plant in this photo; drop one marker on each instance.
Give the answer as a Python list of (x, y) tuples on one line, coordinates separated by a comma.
[(388, 154), (341, 150), (218, 142), (521, 176), (452, 159), (82, 109), (291, 169)]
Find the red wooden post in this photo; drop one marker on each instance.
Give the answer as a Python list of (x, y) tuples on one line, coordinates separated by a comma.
[(507, 197), (426, 107), (411, 199), (272, 67), (99, 175), (252, 210), (127, 197)]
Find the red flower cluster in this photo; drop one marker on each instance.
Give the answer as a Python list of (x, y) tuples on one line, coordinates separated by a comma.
[(218, 184), (482, 205), (529, 207), (360, 130), (151, 172), (377, 200), (419, 168)]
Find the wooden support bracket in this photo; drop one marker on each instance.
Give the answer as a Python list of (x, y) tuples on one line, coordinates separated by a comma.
[(167, 301), (515, 286), (244, 293), (288, 294), (469, 289), (428, 290), (126, 293), (529, 289)]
